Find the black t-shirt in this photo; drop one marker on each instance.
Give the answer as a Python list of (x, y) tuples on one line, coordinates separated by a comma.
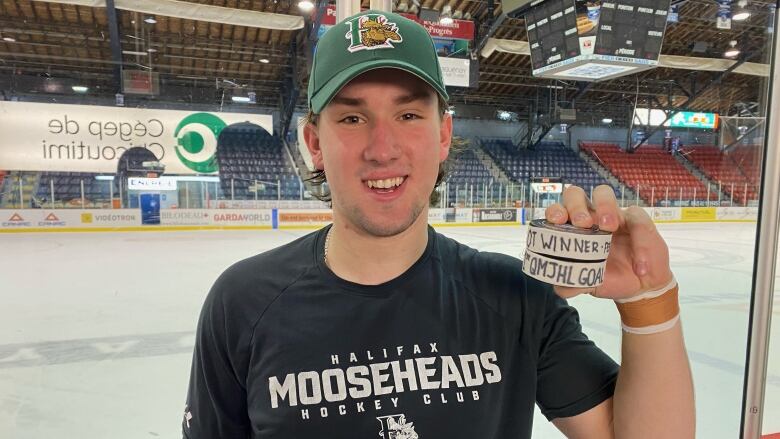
[(461, 345)]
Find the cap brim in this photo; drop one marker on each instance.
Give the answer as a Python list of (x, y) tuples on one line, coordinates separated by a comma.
[(332, 87)]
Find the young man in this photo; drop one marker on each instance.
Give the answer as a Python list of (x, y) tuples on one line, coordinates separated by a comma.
[(379, 326)]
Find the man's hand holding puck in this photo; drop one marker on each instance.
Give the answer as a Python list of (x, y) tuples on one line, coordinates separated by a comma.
[(637, 275)]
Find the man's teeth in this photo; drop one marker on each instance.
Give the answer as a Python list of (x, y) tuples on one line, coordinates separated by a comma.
[(387, 183)]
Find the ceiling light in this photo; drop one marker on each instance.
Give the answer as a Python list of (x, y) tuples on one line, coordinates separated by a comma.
[(305, 5), (9, 39), (732, 51), (151, 50), (80, 89), (264, 60), (241, 99), (446, 16), (451, 112), (741, 12), (457, 14), (504, 115), (150, 20), (133, 52), (606, 120)]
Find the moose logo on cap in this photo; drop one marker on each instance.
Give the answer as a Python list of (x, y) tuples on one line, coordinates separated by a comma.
[(372, 31)]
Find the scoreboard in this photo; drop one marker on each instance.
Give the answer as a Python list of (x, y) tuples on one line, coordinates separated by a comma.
[(591, 40)]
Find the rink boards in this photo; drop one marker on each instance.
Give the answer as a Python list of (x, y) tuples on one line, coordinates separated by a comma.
[(95, 220)]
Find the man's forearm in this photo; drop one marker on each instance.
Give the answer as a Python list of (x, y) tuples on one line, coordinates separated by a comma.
[(654, 394)]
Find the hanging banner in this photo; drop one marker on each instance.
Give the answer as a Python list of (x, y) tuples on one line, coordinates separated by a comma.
[(456, 71), (458, 30), (89, 138)]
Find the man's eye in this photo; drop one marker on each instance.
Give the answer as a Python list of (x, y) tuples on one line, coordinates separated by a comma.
[(410, 116), (351, 119)]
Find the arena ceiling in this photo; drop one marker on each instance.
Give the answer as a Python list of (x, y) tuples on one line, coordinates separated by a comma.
[(47, 46)]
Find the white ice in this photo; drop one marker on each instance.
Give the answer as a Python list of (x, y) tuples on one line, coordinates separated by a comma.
[(96, 329)]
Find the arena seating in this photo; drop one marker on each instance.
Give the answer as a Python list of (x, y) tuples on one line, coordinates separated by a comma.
[(67, 188), (737, 170), (548, 159), (468, 171), (249, 155), (244, 156), (648, 168)]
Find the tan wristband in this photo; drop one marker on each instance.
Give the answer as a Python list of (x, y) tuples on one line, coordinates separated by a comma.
[(650, 315)]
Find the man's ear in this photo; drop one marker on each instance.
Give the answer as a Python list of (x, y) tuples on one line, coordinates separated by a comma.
[(312, 138), (445, 137)]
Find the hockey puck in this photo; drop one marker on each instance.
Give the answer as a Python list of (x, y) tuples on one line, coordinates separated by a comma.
[(566, 255)]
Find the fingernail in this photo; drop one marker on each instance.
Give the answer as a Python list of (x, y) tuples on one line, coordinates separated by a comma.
[(606, 220), (581, 217), (641, 268), (556, 215)]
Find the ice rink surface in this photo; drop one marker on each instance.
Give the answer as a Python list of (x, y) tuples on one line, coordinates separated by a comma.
[(96, 329)]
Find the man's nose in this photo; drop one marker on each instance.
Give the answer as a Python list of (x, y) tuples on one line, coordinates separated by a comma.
[(382, 142)]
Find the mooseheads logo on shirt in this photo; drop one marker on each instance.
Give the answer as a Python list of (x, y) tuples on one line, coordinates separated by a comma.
[(388, 379), (396, 427)]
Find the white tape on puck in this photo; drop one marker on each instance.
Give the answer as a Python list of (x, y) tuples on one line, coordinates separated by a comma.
[(565, 273), (567, 241)]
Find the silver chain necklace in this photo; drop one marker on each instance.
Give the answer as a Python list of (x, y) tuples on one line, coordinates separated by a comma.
[(325, 249)]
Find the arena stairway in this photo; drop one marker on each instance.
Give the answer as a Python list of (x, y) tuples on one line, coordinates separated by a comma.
[(628, 195), (495, 170), (548, 159), (468, 171), (685, 160), (736, 172)]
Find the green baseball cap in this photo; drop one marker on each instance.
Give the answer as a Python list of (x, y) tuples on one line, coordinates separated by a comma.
[(367, 41)]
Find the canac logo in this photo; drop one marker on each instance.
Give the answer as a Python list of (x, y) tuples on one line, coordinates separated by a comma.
[(196, 137), (372, 31), (16, 220), (51, 220)]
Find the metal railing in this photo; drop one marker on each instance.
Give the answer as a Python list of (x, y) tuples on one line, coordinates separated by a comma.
[(31, 190)]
